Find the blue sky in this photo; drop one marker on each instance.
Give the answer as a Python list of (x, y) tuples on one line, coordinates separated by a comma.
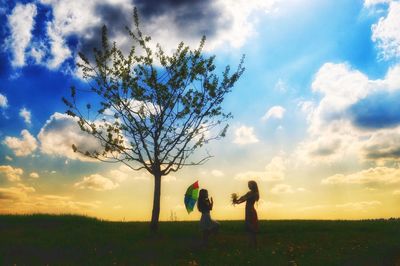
[(316, 120)]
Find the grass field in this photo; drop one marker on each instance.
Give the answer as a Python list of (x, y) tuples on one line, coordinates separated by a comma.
[(77, 240)]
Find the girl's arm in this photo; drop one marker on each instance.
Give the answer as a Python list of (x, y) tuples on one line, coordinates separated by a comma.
[(241, 199), (211, 203)]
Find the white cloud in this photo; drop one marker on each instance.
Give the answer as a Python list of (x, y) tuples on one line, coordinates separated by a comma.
[(332, 134), (276, 112), (59, 49), (306, 107), (120, 174), (386, 33), (169, 178), (234, 24), (285, 189), (24, 146), (273, 171), (348, 206), (378, 175), (69, 18), (123, 172), (26, 115), (312, 208), (8, 158), (34, 175), (268, 205), (245, 135), (21, 199), (21, 22), (382, 146), (359, 206), (370, 3), (217, 173), (282, 189), (12, 174), (38, 52), (96, 182), (60, 132), (242, 15), (18, 193), (3, 101), (280, 86)]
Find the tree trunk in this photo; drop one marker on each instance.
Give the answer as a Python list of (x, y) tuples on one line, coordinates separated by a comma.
[(156, 203)]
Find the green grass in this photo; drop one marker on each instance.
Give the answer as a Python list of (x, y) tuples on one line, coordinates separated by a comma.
[(77, 240)]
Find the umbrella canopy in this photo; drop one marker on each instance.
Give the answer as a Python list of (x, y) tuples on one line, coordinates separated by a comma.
[(191, 196)]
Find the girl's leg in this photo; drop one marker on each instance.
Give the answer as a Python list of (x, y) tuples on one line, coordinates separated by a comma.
[(254, 235), (253, 239), (205, 237)]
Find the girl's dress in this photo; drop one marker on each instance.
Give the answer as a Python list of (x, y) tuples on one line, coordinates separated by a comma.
[(251, 218), (206, 223)]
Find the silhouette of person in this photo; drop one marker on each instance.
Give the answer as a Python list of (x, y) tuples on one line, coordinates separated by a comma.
[(251, 219), (207, 225)]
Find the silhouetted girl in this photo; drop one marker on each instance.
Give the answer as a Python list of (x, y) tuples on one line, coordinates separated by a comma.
[(207, 225), (251, 219)]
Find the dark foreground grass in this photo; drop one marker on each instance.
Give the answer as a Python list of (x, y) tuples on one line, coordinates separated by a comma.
[(77, 240)]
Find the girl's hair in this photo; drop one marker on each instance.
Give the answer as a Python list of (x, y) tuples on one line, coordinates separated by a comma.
[(201, 202), (254, 188)]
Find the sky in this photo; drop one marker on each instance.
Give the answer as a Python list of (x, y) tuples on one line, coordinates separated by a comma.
[(316, 120)]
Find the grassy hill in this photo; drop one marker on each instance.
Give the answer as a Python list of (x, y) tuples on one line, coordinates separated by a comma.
[(77, 240)]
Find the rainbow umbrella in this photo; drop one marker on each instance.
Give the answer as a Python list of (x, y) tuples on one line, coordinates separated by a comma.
[(191, 196)]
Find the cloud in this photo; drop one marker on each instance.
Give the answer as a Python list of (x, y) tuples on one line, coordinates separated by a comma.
[(268, 205), (217, 173), (386, 33), (378, 175), (34, 175), (225, 23), (3, 101), (169, 178), (348, 206), (282, 189), (396, 192), (276, 112), (72, 18), (24, 146), (245, 135), (375, 111), (60, 132), (345, 124), (96, 182), (273, 171), (281, 86), (15, 194), (21, 199), (313, 208), (285, 189), (26, 115), (382, 146), (359, 206), (21, 23), (124, 172), (12, 174), (370, 3)]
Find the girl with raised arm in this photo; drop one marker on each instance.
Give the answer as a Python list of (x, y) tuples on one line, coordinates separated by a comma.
[(207, 225), (251, 218)]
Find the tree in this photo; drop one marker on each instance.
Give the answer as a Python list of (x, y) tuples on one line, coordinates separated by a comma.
[(152, 110)]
